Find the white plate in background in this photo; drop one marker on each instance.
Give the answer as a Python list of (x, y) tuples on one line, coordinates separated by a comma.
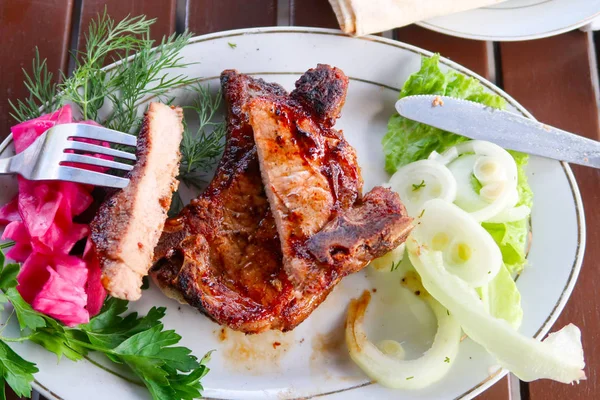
[(517, 20)]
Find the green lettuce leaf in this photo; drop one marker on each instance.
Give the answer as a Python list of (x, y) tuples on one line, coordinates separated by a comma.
[(407, 141), (503, 298)]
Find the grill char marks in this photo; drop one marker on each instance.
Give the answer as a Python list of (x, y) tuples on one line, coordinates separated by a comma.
[(283, 219), (322, 90), (364, 232)]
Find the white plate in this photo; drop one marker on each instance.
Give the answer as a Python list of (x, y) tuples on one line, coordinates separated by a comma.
[(517, 19), (312, 360)]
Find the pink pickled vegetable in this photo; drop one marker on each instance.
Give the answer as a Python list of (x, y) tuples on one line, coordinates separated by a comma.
[(26, 132), (94, 289), (61, 299), (41, 222), (10, 212), (17, 231)]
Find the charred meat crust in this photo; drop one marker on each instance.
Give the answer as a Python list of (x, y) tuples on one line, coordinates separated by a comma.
[(362, 233), (323, 90)]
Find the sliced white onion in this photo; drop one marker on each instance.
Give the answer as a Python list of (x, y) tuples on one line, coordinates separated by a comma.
[(423, 180), (388, 367), (493, 167), (559, 357), (487, 170), (466, 197), (392, 348), (390, 260), (445, 158), (511, 214), (468, 250)]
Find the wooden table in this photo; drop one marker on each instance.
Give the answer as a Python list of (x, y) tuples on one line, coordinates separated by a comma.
[(554, 78)]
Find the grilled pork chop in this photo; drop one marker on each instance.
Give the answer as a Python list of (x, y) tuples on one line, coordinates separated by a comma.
[(284, 219), (129, 223)]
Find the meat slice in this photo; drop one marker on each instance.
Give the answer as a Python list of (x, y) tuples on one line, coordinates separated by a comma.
[(129, 223), (313, 182), (222, 253), (267, 241)]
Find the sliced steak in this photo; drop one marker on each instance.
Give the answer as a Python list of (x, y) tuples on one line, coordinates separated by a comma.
[(257, 253), (222, 253), (129, 223), (313, 182)]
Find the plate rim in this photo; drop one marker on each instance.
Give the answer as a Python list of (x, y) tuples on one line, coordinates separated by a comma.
[(579, 210), (507, 38)]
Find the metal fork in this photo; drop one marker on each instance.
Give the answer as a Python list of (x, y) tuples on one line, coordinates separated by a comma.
[(44, 159)]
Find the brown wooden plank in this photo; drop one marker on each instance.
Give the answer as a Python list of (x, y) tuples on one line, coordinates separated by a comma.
[(10, 395), (552, 78), (499, 391), (162, 10), (52, 22), (206, 16), (473, 54), (312, 13)]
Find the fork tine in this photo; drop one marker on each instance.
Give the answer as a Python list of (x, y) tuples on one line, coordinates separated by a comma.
[(100, 162), (79, 175), (103, 134), (93, 148)]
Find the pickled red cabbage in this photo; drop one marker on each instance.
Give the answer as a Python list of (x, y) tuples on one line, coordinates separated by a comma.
[(41, 223)]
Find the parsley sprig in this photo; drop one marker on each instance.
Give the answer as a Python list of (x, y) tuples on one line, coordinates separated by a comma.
[(139, 342)]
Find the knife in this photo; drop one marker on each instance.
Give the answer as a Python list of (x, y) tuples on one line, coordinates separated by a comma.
[(506, 129)]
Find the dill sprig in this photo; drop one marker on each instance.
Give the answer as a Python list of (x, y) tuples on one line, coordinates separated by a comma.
[(144, 76), (200, 149), (141, 71), (42, 92), (113, 97)]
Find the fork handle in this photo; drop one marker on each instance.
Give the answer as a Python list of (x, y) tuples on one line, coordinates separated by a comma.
[(5, 166)]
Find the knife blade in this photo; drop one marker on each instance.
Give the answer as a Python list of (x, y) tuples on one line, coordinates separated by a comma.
[(506, 129)]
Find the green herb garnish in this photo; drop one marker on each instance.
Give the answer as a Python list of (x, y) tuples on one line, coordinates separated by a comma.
[(447, 360), (6, 245), (232, 45), (416, 187), (141, 72), (125, 86), (140, 343), (200, 149)]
